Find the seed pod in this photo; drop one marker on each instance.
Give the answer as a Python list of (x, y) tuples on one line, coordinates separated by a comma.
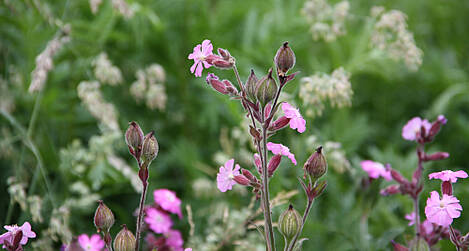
[(251, 87), (134, 137), (316, 166), (266, 89), (125, 240), (150, 147), (289, 223), (284, 59), (103, 218)]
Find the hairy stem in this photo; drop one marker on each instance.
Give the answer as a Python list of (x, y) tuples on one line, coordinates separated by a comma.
[(265, 192), (140, 211)]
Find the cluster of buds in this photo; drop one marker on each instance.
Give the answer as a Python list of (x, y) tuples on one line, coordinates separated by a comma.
[(246, 178), (223, 60), (222, 86)]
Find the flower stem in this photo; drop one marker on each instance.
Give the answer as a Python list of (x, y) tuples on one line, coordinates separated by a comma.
[(140, 210), (305, 216), (265, 193), (417, 217)]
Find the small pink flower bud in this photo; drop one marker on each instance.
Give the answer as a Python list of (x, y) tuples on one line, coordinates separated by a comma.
[(250, 87), (437, 156), (134, 138), (248, 175), (279, 123), (242, 180), (150, 148), (266, 89), (436, 126), (289, 223), (257, 162), (397, 176), (224, 53), (216, 83), (316, 165), (284, 59), (125, 240), (447, 188), (392, 189), (273, 164), (103, 218), (220, 62)]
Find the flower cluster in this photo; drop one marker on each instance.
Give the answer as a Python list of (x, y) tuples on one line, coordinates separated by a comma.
[(105, 72), (94, 5), (149, 86), (327, 21), (123, 8), (390, 35), (16, 236), (319, 88)]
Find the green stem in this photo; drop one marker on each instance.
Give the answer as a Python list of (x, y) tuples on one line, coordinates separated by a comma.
[(305, 216), (140, 211)]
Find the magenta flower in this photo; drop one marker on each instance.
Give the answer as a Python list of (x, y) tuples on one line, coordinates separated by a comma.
[(448, 175), (198, 55), (412, 128), (174, 238), (225, 176), (375, 170), (281, 149), (12, 229), (188, 249), (95, 243), (296, 120), (442, 211), (168, 200), (411, 218), (158, 221), (427, 227)]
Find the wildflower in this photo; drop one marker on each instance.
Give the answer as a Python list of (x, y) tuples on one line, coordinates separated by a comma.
[(281, 149), (448, 175), (225, 176), (375, 170), (95, 243), (156, 97), (168, 200), (411, 130), (13, 229), (123, 8), (411, 218), (201, 51), (174, 239), (296, 120), (327, 21), (442, 211), (94, 5), (158, 221), (105, 71)]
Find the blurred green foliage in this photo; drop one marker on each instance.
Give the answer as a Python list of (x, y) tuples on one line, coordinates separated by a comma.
[(386, 95)]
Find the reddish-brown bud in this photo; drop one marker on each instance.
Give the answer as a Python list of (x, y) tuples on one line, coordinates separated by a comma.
[(248, 175), (279, 123), (150, 147), (219, 61), (436, 126), (447, 188), (273, 164), (225, 54), (284, 59), (436, 156), (242, 180), (125, 240), (134, 138), (397, 176), (103, 218), (316, 166), (392, 189)]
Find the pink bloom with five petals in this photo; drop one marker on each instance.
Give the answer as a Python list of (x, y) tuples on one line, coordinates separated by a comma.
[(296, 120), (412, 128), (281, 149), (168, 200), (158, 221), (448, 175), (95, 243), (12, 229), (375, 170), (442, 211), (200, 53), (174, 239), (225, 176)]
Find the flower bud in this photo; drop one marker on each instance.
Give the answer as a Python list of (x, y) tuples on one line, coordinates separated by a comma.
[(219, 61), (419, 244), (223, 87), (436, 156), (125, 240), (134, 138), (289, 223), (279, 123), (284, 59), (273, 164), (103, 218), (390, 190), (150, 147), (257, 162), (447, 188), (242, 180), (266, 89), (316, 166), (225, 54), (248, 175), (250, 87)]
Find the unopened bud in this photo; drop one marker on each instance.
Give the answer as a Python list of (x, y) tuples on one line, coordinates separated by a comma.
[(266, 89), (437, 156), (219, 61), (134, 138), (397, 176), (257, 162), (284, 59), (248, 175), (150, 147), (419, 244), (289, 223), (279, 123), (316, 166), (273, 164), (251, 87), (447, 188), (125, 240), (436, 126), (224, 53), (223, 87), (103, 218), (242, 180), (390, 190)]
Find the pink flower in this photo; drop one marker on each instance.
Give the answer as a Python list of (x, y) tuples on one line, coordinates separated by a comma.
[(174, 238), (281, 149), (168, 200), (427, 227), (12, 229), (448, 175), (442, 211), (95, 243), (412, 128), (225, 176), (188, 249), (375, 170), (158, 221), (411, 218), (296, 120), (198, 55)]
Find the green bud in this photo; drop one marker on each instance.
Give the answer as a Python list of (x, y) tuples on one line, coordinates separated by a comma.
[(103, 218), (419, 244), (316, 166), (150, 147), (266, 89), (125, 240), (251, 86), (289, 223), (284, 59)]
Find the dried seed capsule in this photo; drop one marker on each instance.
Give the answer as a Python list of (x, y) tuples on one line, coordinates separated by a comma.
[(284, 59), (316, 166), (150, 147), (103, 218), (125, 240)]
